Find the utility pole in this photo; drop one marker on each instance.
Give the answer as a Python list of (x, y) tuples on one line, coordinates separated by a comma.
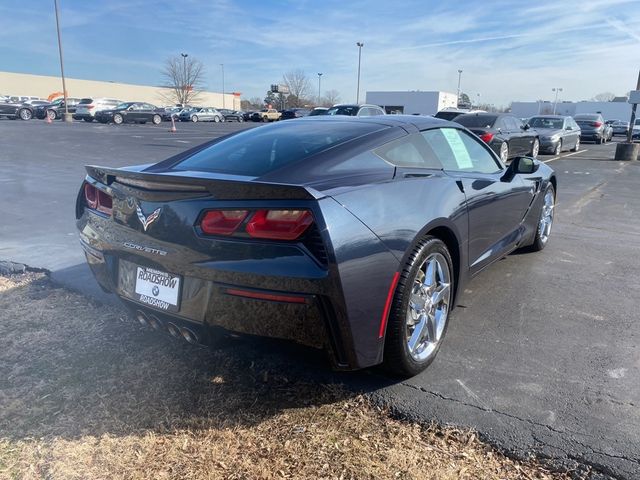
[(222, 65), (633, 115), (360, 45), (319, 76), (555, 102), (459, 78), (67, 115), (184, 78)]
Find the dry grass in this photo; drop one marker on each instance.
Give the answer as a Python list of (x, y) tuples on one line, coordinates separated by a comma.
[(86, 394)]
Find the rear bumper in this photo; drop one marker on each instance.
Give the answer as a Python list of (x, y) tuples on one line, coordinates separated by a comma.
[(339, 310), (591, 136)]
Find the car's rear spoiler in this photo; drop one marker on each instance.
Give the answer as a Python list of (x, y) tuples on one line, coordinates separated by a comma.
[(233, 188)]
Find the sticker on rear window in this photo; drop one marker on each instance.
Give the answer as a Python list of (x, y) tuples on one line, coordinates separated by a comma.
[(458, 148)]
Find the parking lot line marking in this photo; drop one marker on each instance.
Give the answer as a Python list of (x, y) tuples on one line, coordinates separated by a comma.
[(564, 156), (182, 141)]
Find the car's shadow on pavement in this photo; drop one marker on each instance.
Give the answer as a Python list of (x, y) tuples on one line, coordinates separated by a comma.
[(72, 368)]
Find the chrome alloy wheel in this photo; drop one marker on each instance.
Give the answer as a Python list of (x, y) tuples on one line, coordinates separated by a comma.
[(546, 217), (428, 308)]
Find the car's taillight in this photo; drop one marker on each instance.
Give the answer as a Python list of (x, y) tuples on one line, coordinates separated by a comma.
[(98, 200), (91, 106), (486, 137), (596, 124), (279, 224), (222, 222)]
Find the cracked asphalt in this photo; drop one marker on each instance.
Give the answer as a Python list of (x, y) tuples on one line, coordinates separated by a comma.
[(541, 355)]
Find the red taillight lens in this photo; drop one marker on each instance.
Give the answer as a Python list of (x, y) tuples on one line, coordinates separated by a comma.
[(89, 107), (105, 202), (596, 124), (91, 196), (97, 199), (486, 137), (279, 224), (222, 222)]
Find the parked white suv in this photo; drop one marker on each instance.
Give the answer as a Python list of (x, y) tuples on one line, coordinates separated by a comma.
[(87, 108)]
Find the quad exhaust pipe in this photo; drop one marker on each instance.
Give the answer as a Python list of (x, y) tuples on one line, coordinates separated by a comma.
[(152, 321)]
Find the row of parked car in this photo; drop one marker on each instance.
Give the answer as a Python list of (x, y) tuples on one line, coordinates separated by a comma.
[(107, 110), (510, 136)]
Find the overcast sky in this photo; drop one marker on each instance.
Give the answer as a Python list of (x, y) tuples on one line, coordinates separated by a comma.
[(508, 50)]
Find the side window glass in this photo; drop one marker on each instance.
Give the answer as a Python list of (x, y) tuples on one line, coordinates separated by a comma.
[(409, 151), (364, 112), (517, 123), (459, 151)]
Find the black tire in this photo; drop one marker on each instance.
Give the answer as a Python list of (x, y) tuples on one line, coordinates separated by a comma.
[(504, 152), (194, 118), (240, 119), (598, 141), (51, 114), (539, 242), (118, 119), (535, 148), (25, 114), (576, 147), (397, 358), (88, 119), (156, 120), (558, 149)]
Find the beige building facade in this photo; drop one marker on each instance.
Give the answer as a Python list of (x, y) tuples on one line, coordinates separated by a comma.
[(23, 84)]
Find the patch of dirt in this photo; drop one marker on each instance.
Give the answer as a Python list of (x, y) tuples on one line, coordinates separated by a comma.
[(86, 393)]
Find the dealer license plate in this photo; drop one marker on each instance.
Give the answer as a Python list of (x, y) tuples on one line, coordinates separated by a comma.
[(157, 289)]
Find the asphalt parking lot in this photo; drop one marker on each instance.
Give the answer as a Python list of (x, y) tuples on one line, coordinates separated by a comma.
[(542, 353)]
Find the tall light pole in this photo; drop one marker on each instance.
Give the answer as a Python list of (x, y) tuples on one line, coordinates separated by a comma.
[(67, 115), (459, 78), (319, 76), (222, 65), (184, 78), (555, 102), (360, 45)]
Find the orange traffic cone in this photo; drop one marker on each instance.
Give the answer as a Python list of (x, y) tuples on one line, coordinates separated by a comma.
[(173, 125), (48, 117)]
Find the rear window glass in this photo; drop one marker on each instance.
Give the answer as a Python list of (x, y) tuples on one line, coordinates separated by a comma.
[(346, 110), (447, 115), (86, 101), (476, 121), (262, 150), (586, 117)]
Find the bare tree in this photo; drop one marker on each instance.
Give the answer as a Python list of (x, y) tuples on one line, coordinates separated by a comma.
[(254, 103), (299, 86), (330, 98), (603, 97), (184, 76)]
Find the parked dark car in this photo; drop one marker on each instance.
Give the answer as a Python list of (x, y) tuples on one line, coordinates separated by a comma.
[(171, 112), (14, 110), (294, 113), (556, 133), (131, 112), (620, 127), (318, 111), (592, 127), (302, 230), (451, 113), (504, 133), (231, 115), (55, 109), (356, 110)]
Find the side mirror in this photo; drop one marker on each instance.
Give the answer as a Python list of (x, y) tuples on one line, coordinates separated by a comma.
[(520, 165), (526, 126)]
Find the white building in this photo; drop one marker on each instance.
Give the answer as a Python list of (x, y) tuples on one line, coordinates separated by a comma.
[(609, 110), (413, 102)]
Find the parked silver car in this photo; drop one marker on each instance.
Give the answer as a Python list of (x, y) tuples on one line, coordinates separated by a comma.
[(619, 127), (201, 114), (556, 133)]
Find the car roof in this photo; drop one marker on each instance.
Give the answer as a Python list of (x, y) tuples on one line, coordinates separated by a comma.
[(420, 122)]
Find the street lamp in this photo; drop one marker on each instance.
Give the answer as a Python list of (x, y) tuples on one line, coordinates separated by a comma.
[(555, 102), (67, 115), (184, 79), (319, 76), (360, 45), (222, 65), (459, 78)]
